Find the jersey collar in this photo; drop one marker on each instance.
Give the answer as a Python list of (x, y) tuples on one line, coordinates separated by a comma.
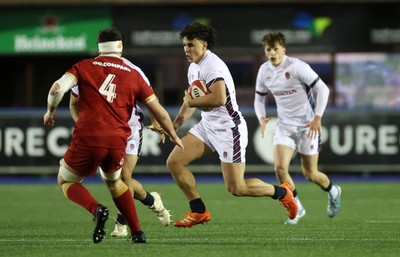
[(208, 52)]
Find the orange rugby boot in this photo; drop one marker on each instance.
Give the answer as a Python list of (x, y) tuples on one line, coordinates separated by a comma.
[(193, 218), (288, 201)]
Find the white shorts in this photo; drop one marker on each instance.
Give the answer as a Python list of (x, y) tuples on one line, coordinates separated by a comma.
[(230, 143), (134, 142), (297, 138)]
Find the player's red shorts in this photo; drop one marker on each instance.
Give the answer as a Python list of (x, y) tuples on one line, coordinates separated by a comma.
[(85, 159)]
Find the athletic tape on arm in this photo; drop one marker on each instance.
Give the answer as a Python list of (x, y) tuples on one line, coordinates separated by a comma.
[(65, 83)]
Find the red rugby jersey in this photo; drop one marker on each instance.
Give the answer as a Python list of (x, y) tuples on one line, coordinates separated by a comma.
[(108, 88)]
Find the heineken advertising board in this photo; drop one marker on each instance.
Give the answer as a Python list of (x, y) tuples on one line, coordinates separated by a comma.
[(55, 30)]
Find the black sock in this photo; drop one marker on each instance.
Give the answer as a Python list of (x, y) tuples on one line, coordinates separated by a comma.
[(149, 200), (280, 192), (197, 205), (121, 219), (328, 188)]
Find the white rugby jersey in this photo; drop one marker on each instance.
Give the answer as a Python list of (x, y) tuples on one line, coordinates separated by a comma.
[(137, 116), (211, 69), (291, 84)]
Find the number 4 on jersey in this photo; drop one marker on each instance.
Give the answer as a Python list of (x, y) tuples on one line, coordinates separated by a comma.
[(108, 88)]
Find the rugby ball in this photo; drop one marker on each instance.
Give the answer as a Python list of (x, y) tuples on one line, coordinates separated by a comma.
[(197, 89)]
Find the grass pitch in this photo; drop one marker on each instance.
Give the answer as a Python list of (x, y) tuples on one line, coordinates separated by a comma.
[(36, 220)]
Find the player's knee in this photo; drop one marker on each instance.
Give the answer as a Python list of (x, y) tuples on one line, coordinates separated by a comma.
[(113, 185), (126, 177), (172, 163), (310, 176)]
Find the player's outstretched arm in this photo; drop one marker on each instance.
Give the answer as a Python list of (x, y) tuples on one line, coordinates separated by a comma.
[(163, 118), (155, 126)]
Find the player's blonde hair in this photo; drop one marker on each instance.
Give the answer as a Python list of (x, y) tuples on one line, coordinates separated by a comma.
[(272, 38)]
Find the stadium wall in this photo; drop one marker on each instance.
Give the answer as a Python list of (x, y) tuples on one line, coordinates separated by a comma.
[(352, 142)]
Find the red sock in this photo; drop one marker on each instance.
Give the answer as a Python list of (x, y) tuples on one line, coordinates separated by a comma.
[(81, 196), (124, 201)]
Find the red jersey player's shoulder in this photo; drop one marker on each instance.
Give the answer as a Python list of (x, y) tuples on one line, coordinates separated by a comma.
[(74, 70), (85, 61)]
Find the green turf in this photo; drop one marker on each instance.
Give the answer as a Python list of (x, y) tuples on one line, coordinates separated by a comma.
[(36, 220)]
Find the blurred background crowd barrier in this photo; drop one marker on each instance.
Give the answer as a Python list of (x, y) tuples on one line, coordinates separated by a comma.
[(353, 45), (351, 143)]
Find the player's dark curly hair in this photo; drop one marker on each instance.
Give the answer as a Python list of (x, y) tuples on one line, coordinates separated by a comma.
[(272, 38), (109, 34), (200, 31)]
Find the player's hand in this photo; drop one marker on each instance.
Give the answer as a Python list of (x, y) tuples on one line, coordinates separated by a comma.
[(159, 131), (161, 138), (314, 127), (178, 142), (48, 118), (186, 99), (263, 124)]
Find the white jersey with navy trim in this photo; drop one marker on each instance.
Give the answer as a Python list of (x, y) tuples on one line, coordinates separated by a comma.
[(211, 69), (137, 113), (290, 84)]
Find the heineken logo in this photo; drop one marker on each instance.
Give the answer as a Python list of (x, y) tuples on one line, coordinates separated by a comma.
[(37, 43), (54, 30), (49, 37)]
